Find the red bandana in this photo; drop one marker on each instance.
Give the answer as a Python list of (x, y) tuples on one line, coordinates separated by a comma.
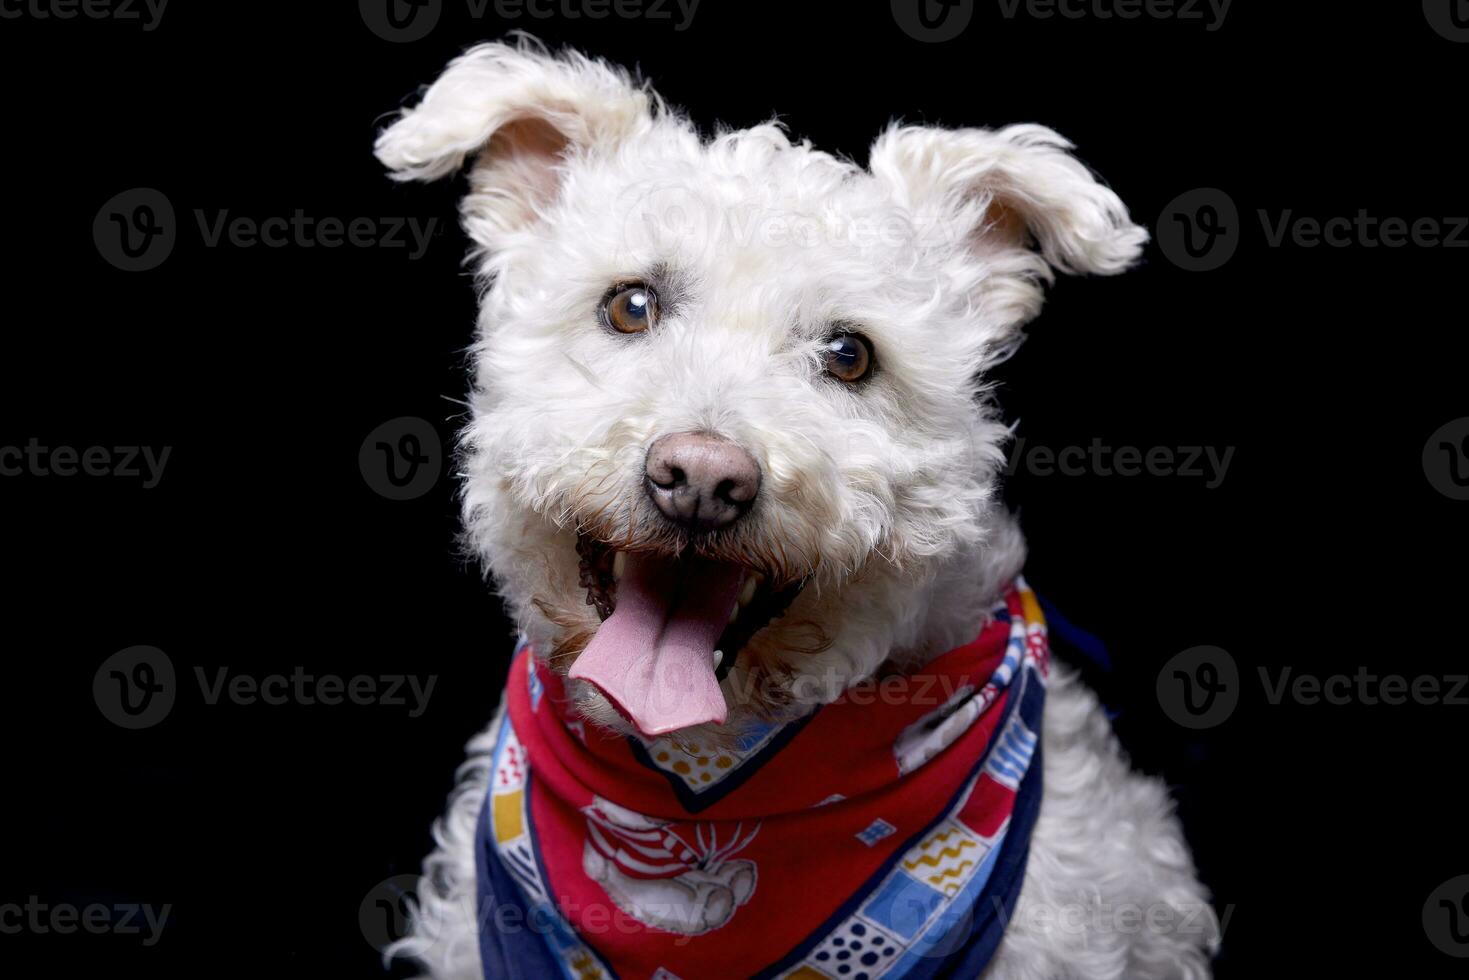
[(881, 835)]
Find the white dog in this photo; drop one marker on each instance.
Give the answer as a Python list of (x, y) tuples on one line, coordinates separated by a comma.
[(746, 350)]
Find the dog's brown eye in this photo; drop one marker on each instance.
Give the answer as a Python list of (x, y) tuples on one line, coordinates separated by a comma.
[(848, 357), (632, 308)]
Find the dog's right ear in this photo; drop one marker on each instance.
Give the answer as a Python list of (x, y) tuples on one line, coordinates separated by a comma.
[(1021, 207), (521, 112)]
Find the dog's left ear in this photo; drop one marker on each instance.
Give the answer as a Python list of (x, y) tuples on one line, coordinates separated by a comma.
[(1018, 206), (519, 112)]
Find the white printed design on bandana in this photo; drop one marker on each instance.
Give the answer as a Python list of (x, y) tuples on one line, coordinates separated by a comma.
[(940, 728), (937, 730), (662, 880)]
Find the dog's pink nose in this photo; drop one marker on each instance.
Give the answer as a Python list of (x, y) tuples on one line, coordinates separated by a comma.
[(700, 481)]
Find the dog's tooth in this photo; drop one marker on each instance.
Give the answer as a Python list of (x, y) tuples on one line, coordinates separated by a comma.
[(718, 656), (748, 592), (619, 564)]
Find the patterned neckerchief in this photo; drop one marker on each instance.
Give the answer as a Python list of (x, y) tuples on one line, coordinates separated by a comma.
[(884, 834)]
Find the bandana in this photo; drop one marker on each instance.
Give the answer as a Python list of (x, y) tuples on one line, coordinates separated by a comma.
[(883, 834)]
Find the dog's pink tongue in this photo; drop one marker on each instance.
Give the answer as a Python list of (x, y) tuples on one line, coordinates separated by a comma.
[(654, 656)]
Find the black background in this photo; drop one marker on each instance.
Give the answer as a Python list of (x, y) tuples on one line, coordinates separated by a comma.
[(1321, 829)]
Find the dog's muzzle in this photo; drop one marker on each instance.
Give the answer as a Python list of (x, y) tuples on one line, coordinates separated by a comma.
[(701, 482)]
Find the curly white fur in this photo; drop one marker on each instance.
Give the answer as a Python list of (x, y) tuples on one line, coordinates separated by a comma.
[(881, 498)]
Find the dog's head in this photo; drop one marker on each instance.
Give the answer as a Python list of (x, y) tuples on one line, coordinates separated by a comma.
[(729, 396)]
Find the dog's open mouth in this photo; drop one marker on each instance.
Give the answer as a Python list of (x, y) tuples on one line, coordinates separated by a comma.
[(671, 630)]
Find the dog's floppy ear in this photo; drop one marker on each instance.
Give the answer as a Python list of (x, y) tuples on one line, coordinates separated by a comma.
[(1015, 200), (520, 112)]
